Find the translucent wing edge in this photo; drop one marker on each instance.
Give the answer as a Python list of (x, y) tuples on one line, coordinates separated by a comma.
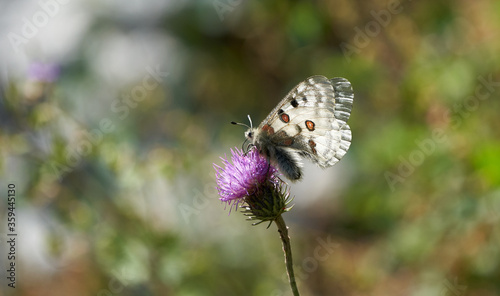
[(344, 97)]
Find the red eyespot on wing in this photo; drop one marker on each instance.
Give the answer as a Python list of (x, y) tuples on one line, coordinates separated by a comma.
[(312, 144), (310, 125), (285, 118), (268, 129)]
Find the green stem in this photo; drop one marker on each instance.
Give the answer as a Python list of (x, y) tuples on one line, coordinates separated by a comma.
[(285, 239)]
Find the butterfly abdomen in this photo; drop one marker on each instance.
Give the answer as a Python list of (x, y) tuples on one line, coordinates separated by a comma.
[(288, 163), (287, 160)]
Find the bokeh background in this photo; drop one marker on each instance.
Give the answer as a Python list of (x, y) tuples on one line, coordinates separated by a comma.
[(112, 114)]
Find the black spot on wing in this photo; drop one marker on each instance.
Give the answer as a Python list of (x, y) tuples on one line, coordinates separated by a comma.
[(294, 103), (280, 111)]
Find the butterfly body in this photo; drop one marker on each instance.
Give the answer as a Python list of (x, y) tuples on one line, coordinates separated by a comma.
[(310, 122)]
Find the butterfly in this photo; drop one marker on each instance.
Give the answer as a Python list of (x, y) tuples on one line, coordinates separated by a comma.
[(310, 122)]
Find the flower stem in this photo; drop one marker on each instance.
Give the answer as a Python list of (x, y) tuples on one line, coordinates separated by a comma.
[(285, 239)]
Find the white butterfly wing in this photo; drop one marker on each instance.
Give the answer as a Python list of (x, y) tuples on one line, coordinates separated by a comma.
[(311, 120)]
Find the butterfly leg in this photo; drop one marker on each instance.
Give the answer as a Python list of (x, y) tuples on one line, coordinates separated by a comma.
[(248, 147)]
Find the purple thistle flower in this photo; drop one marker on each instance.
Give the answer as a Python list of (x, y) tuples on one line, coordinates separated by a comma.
[(251, 179), (243, 177)]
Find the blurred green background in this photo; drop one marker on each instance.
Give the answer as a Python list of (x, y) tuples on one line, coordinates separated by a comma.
[(112, 114)]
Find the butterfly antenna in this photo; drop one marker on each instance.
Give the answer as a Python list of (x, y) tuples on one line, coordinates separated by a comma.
[(242, 124), (250, 119), (249, 145), (239, 123)]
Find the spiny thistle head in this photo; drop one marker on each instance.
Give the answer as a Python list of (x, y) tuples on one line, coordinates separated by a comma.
[(251, 180)]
